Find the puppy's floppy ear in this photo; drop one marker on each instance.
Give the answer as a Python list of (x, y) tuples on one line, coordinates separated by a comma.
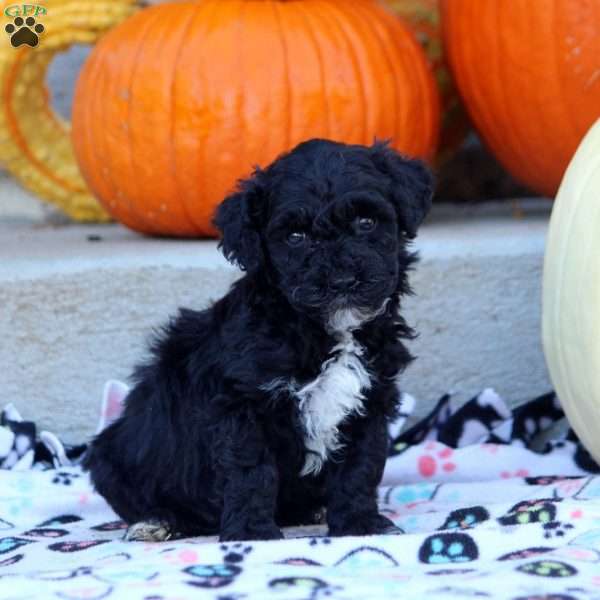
[(411, 185), (238, 218)]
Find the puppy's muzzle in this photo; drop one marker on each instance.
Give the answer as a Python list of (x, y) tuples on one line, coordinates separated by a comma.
[(343, 284)]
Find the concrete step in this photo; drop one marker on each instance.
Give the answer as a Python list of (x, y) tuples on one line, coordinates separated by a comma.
[(78, 303)]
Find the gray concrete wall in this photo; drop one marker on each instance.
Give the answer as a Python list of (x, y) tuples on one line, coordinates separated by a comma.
[(74, 312)]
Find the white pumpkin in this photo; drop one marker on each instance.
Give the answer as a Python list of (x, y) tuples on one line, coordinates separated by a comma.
[(571, 292)]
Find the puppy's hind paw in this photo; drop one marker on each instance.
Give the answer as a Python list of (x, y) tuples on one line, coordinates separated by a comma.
[(148, 531)]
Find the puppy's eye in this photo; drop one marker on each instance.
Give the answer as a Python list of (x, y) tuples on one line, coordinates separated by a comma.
[(296, 238), (365, 224)]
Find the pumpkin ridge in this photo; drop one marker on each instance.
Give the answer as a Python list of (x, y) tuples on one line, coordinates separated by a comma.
[(568, 115), (587, 253), (137, 68), (241, 106), (172, 118), (511, 140), (334, 10), (210, 19), (324, 90), (96, 115), (581, 333), (408, 122), (542, 124), (375, 27), (81, 112), (373, 55), (414, 119), (430, 121), (289, 96)]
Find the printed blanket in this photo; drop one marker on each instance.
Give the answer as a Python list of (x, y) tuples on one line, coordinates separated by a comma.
[(483, 515)]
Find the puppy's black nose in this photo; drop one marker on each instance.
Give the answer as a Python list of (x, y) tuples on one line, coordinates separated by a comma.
[(343, 283)]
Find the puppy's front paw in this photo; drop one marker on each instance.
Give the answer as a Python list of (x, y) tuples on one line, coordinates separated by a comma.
[(268, 532), (148, 531), (369, 524)]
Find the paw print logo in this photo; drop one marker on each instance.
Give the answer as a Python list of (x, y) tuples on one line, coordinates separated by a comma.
[(24, 32)]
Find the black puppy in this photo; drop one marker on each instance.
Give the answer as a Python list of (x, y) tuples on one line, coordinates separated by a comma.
[(273, 404)]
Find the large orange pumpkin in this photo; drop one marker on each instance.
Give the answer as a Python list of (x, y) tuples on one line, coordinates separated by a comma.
[(182, 99), (529, 75)]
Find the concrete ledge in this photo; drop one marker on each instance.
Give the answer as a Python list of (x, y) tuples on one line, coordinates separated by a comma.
[(76, 312)]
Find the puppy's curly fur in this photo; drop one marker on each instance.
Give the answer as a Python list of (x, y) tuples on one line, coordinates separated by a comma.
[(272, 404)]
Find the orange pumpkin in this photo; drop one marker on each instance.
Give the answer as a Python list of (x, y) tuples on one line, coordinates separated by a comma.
[(182, 99), (423, 19), (529, 75)]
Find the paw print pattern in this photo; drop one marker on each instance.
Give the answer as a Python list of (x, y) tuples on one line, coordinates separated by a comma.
[(217, 576), (465, 518), (556, 529), (448, 548), (530, 511), (314, 541), (548, 568), (235, 553), (537, 511), (212, 576), (429, 464), (64, 478), (24, 32)]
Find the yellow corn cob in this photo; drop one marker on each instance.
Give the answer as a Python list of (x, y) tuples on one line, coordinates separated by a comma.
[(35, 143)]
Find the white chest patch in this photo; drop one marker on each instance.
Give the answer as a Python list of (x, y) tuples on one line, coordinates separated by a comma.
[(325, 402), (335, 394)]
